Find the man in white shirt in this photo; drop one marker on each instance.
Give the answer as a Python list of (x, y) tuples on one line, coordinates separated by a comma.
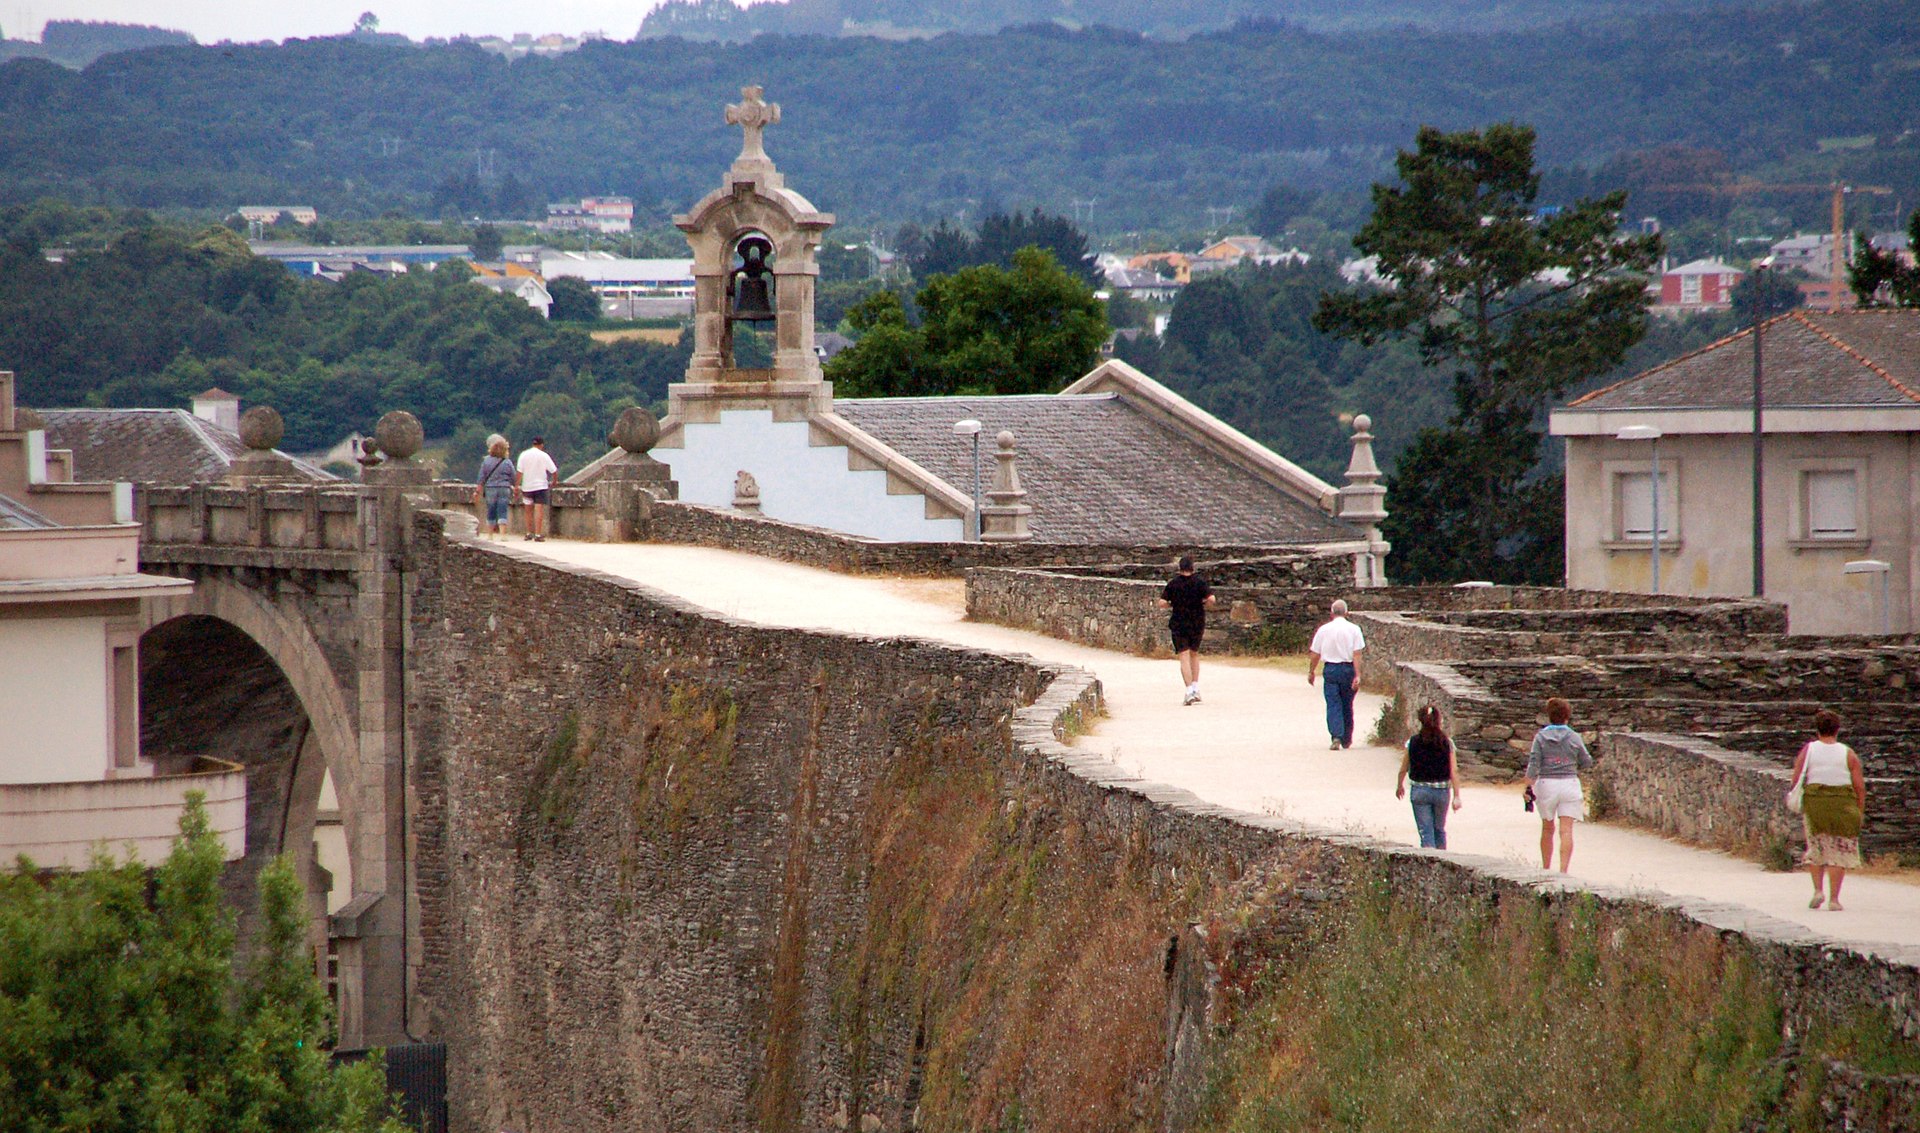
[(1337, 645), (534, 476)]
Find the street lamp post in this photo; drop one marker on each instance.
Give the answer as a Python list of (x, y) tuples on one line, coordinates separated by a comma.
[(971, 428), (1649, 433), (1883, 569)]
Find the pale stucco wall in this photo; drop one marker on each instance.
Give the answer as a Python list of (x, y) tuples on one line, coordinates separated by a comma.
[(59, 825), (799, 482), (53, 700), (1712, 477)]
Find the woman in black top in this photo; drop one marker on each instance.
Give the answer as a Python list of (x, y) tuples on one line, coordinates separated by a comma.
[(1436, 778)]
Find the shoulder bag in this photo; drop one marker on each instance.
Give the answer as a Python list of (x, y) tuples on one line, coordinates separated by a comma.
[(1797, 794)]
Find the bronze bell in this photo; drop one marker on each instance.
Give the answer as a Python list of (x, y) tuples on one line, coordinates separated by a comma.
[(751, 282), (750, 300)]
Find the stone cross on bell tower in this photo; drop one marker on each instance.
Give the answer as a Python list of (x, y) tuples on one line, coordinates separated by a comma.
[(754, 244), (753, 116)]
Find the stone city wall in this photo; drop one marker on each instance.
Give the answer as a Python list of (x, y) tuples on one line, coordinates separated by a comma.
[(684, 873)]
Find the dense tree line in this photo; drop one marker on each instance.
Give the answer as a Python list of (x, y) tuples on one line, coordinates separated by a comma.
[(1000, 237), (1155, 131), (723, 19), (161, 314)]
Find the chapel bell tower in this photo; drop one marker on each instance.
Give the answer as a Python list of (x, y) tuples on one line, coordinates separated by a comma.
[(754, 242)]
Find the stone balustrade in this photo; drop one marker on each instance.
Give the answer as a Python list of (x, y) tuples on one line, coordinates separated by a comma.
[(321, 517)]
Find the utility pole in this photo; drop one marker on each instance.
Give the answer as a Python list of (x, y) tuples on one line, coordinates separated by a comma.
[(1759, 401)]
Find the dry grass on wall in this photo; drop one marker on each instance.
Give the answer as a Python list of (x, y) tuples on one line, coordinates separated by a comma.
[(1513, 1021), (1032, 964)]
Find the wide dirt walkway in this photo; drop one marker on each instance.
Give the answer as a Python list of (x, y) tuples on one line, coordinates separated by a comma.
[(1257, 743)]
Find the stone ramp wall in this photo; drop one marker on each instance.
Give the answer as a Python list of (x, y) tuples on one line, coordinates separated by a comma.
[(1273, 604), (1118, 611), (1695, 790), (681, 873)]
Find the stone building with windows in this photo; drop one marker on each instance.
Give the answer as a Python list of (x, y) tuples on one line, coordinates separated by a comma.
[(1840, 473)]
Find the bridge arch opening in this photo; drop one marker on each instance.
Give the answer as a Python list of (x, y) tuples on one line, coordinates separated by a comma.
[(209, 688)]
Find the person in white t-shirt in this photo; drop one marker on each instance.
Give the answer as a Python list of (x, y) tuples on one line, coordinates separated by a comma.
[(1337, 646), (534, 477)]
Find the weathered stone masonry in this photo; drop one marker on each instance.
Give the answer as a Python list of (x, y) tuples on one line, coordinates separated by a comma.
[(667, 897)]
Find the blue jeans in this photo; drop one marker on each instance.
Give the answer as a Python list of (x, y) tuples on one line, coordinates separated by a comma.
[(498, 497), (1430, 814), (1339, 693)]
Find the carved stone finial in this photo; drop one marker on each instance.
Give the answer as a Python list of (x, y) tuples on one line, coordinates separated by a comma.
[(1363, 502), (636, 431), (261, 428), (399, 434), (753, 116), (746, 492), (1007, 518), (369, 453)]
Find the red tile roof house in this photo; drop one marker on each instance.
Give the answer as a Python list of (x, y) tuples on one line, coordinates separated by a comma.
[(1703, 285)]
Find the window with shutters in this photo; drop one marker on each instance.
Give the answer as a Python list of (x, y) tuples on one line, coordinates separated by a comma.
[(1830, 506), (1833, 504), (1633, 507)]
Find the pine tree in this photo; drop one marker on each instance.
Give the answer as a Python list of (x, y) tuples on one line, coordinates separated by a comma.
[(1518, 305)]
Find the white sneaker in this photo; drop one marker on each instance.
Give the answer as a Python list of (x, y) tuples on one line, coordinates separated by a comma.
[(1189, 698), (1334, 746), (1193, 697)]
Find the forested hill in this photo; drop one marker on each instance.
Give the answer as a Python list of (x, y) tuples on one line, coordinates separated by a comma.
[(1154, 130), (76, 43), (726, 20)]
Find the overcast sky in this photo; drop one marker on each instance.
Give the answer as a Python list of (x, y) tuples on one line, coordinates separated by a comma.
[(247, 20)]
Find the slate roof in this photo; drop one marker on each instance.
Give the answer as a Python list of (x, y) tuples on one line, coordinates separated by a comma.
[(1097, 469), (149, 446), (1808, 358)]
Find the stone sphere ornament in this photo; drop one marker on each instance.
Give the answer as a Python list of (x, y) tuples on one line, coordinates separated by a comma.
[(636, 431), (261, 428), (399, 434)]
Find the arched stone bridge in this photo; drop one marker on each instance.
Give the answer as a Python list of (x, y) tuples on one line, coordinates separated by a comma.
[(290, 657)]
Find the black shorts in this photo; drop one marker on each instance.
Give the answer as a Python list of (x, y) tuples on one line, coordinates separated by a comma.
[(1187, 638), (539, 497)]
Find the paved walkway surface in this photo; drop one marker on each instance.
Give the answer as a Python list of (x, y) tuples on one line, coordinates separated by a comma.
[(1257, 742)]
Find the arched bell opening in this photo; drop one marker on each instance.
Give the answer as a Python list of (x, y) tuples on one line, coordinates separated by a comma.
[(751, 297)]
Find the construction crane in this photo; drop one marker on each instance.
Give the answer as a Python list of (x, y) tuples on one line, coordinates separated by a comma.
[(1837, 188)]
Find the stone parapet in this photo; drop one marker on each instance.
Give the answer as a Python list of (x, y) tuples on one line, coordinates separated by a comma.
[(310, 517), (676, 522), (1697, 791)]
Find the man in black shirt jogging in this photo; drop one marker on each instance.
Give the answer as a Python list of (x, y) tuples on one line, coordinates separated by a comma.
[(1188, 596)]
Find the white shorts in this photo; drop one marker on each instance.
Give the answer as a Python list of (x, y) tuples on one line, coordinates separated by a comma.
[(1558, 798)]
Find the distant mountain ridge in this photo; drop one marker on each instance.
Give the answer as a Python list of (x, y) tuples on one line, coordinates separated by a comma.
[(76, 43), (726, 21)]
